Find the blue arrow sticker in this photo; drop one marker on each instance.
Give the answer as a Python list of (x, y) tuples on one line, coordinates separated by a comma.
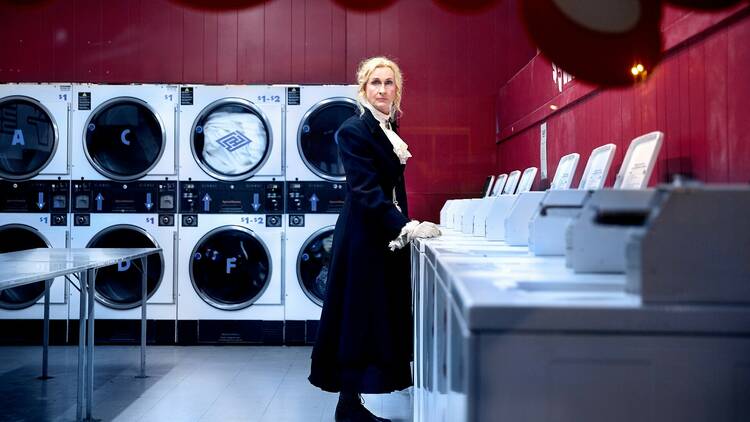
[(256, 201), (206, 202)]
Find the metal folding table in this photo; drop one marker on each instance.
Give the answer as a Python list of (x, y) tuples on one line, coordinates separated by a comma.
[(44, 264)]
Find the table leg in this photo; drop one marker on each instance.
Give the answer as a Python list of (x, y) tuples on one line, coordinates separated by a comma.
[(80, 387), (144, 285), (45, 340), (90, 348)]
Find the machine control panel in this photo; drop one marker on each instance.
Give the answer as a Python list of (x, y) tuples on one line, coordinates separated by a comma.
[(37, 196), (132, 197), (231, 197), (270, 220), (315, 197)]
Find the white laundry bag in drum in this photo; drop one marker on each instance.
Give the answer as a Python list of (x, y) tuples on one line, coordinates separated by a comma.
[(234, 143)]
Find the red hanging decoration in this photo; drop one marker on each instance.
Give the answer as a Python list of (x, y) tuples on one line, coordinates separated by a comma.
[(466, 6), (30, 4), (704, 4), (364, 5), (604, 42), (218, 4)]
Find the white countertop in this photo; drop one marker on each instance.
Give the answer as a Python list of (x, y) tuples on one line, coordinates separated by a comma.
[(27, 266)]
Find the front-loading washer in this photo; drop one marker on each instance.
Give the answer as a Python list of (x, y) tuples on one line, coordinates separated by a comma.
[(313, 208), (34, 141), (33, 214), (231, 262), (313, 115), (231, 132), (124, 132), (108, 214)]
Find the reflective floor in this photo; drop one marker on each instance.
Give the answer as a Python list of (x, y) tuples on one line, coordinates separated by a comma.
[(229, 383)]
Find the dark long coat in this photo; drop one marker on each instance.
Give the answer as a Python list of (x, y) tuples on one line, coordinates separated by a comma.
[(364, 340)]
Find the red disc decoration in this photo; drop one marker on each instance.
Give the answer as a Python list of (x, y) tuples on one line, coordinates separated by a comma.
[(466, 6), (364, 5), (704, 4), (605, 42), (218, 4), (25, 3)]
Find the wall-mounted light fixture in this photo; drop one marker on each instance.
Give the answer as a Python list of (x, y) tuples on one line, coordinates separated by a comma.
[(597, 41)]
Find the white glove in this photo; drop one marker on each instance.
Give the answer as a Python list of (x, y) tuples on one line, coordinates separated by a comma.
[(414, 230)]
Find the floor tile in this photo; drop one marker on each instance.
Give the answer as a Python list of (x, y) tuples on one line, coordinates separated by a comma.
[(190, 384)]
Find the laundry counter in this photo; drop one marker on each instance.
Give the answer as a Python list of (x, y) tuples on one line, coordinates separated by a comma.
[(504, 335)]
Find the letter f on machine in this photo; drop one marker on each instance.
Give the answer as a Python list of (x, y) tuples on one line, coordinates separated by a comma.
[(231, 264)]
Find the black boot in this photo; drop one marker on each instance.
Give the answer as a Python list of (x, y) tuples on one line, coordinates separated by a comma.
[(351, 409)]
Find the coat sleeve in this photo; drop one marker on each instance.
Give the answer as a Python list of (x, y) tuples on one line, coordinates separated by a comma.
[(362, 178)]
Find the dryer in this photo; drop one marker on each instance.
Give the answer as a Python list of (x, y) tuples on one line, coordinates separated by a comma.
[(313, 115), (231, 262), (33, 214), (124, 132), (231, 132), (313, 209), (34, 141), (110, 214)]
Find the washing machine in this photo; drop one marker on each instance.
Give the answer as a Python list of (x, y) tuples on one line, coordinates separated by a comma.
[(124, 132), (33, 214), (231, 263), (109, 214), (313, 115), (34, 131), (316, 188), (313, 208), (231, 132)]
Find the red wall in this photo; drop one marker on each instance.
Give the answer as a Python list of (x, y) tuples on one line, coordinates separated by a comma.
[(454, 64), (699, 97)]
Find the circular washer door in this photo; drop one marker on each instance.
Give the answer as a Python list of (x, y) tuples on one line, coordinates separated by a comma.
[(313, 263), (24, 237), (124, 138), (28, 137), (119, 286), (231, 139), (315, 139), (230, 268)]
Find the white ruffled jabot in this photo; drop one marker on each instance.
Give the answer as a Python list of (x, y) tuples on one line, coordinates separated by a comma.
[(400, 148)]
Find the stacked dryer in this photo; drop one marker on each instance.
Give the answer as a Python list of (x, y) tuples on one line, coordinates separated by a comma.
[(34, 195), (124, 194), (316, 187), (231, 205)]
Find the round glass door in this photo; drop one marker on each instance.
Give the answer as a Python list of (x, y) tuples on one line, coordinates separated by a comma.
[(313, 264), (119, 286), (231, 139), (23, 237), (315, 140), (28, 138), (124, 138), (230, 268)]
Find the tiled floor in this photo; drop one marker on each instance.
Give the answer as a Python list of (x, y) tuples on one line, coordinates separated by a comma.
[(229, 383)]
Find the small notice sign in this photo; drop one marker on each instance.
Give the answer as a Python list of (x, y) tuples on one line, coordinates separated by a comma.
[(84, 101), (186, 95), (292, 95)]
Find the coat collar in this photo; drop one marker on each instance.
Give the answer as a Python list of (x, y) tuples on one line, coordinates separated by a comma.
[(374, 127), (370, 120), (373, 124)]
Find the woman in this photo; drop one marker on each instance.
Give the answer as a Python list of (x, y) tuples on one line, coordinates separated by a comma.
[(365, 335)]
